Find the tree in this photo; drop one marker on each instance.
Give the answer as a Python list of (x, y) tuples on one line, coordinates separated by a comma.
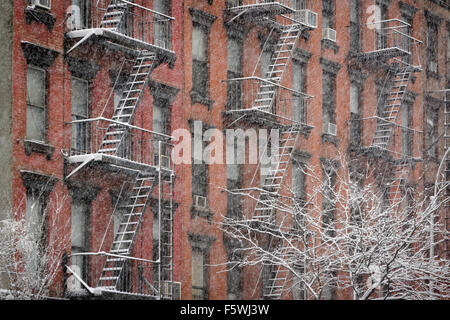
[(356, 231), (30, 255)]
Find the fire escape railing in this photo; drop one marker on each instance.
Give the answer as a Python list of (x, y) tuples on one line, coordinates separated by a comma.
[(137, 22), (139, 145), (85, 269), (256, 94)]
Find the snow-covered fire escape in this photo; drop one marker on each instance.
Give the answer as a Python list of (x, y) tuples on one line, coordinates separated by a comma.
[(114, 140), (388, 46), (264, 100)]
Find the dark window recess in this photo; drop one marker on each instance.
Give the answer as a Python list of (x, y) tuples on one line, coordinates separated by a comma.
[(432, 48), (200, 72), (200, 179), (406, 118), (329, 98), (234, 70), (299, 84), (328, 14), (355, 21)]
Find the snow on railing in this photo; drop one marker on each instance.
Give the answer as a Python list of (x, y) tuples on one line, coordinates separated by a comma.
[(276, 4), (85, 269), (138, 22), (137, 144), (254, 93)]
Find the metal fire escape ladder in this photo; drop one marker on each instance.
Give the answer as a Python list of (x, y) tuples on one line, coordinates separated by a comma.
[(280, 59), (131, 96), (264, 211), (133, 211), (114, 15), (165, 244), (386, 123)]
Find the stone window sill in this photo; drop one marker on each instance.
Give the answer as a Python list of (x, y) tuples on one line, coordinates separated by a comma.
[(201, 212), (198, 98), (40, 15), (330, 138), (330, 45), (38, 147)]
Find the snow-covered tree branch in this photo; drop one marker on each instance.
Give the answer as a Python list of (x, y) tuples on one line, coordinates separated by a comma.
[(352, 231)]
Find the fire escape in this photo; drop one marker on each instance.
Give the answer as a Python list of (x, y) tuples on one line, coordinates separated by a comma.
[(114, 141), (266, 101), (395, 51)]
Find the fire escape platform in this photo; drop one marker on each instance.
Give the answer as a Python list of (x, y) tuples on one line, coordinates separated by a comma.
[(262, 9), (123, 40), (382, 53), (115, 161)]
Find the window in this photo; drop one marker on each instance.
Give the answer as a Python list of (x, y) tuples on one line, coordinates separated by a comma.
[(79, 234), (233, 3), (432, 47), (233, 182), (298, 180), (355, 122), (36, 106), (234, 70), (199, 177), (200, 72), (199, 289), (161, 125), (80, 111), (381, 35), (300, 5), (298, 190), (266, 58), (328, 12), (35, 223), (80, 14), (34, 215), (328, 201), (355, 21), (42, 3), (299, 84), (406, 41), (406, 132), (298, 288), (432, 132), (329, 100), (161, 25)]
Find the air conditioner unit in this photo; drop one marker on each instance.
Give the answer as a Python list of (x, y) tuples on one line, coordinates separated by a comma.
[(42, 3), (307, 17), (433, 66), (329, 128), (199, 201), (329, 34)]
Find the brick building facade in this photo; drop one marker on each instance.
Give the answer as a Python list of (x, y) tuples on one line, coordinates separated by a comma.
[(93, 91)]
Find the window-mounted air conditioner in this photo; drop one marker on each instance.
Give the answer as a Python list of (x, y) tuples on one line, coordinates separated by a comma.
[(329, 128), (46, 4), (329, 34), (307, 17), (199, 201)]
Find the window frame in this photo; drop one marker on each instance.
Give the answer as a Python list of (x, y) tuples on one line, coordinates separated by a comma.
[(43, 108), (200, 68), (84, 128)]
